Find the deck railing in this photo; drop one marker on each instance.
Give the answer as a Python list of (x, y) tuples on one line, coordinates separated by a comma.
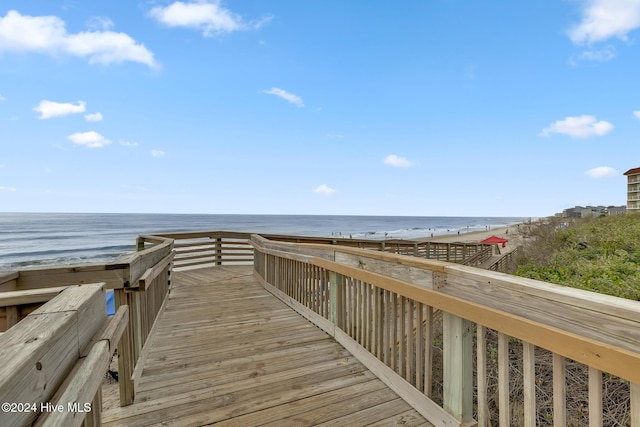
[(208, 248), (506, 263), (139, 281), (387, 310), (53, 361)]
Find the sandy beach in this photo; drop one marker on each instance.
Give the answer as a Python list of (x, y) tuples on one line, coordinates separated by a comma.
[(513, 233)]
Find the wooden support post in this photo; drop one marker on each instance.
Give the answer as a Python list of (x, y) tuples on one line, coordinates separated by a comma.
[(635, 404), (458, 367), (13, 316), (140, 243), (219, 251), (126, 361), (94, 418), (337, 282)]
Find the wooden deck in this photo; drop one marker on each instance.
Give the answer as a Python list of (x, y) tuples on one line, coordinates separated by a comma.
[(228, 353)]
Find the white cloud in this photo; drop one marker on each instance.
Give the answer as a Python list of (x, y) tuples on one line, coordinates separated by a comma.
[(91, 139), (583, 126), (207, 16), (49, 109), (100, 23), (2, 98), (2, 166), (602, 55), (48, 35), (158, 153), (636, 114), (127, 143), (287, 96), (397, 161), (324, 189), (3, 188), (602, 172), (604, 19), (94, 117)]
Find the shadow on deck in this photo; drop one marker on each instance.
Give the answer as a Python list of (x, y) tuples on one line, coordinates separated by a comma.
[(227, 352)]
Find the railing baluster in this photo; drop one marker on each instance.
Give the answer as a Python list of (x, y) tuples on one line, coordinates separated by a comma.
[(559, 391), (375, 330), (387, 327), (351, 292), (367, 312), (428, 351), (327, 300), (595, 397), (402, 357), (529, 372), (411, 357), (394, 331), (481, 355), (503, 379), (419, 346), (635, 404)]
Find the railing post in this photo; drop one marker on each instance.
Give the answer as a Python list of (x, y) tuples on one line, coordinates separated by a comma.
[(458, 367), (140, 243), (219, 251), (336, 281), (126, 360), (635, 405)]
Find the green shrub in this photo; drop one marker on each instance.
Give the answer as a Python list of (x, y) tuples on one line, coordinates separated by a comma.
[(597, 254)]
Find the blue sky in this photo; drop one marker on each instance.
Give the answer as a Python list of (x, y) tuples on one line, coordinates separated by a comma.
[(441, 107)]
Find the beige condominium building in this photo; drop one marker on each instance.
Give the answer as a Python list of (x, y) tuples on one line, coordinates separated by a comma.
[(633, 190)]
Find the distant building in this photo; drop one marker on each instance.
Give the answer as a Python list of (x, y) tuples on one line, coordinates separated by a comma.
[(616, 210), (584, 212), (572, 212), (633, 190)]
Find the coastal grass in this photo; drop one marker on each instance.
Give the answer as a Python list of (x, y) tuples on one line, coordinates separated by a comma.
[(597, 254)]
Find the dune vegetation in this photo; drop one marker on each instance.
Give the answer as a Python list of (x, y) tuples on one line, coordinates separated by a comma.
[(597, 254)]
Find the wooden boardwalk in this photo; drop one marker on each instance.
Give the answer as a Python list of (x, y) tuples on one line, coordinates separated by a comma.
[(228, 353)]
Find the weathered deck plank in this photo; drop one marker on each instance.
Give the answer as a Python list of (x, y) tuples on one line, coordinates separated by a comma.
[(228, 353)]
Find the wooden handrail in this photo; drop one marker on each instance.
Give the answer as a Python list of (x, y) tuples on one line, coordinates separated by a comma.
[(30, 296), (140, 281), (76, 395), (50, 339)]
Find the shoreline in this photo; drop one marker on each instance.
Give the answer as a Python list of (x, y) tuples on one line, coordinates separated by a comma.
[(515, 234)]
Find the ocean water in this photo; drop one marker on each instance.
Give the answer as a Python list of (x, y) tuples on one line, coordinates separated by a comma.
[(33, 239)]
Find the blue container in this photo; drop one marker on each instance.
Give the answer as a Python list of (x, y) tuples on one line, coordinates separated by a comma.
[(111, 304)]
